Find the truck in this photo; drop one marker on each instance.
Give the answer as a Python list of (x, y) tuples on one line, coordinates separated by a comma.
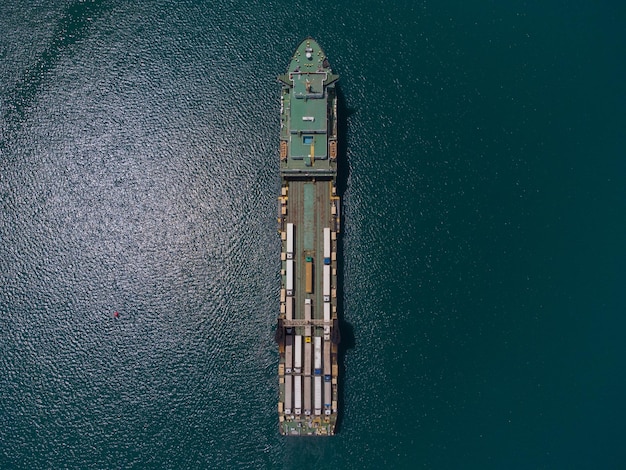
[(309, 274)]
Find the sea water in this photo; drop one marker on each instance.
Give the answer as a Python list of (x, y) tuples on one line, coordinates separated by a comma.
[(482, 279)]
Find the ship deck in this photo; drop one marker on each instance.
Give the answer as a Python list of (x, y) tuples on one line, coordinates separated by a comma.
[(311, 206), (308, 223), (309, 209)]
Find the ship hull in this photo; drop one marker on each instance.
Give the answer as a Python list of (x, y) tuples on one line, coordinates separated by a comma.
[(309, 224)]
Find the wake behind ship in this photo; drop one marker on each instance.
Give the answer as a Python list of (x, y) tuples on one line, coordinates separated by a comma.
[(309, 223)]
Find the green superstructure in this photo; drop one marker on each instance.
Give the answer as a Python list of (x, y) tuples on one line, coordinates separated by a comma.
[(309, 222)]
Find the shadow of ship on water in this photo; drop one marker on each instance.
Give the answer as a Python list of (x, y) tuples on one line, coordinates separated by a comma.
[(346, 329)]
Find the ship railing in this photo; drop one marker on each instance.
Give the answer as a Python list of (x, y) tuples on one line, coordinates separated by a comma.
[(309, 96), (294, 173), (300, 322), (308, 72)]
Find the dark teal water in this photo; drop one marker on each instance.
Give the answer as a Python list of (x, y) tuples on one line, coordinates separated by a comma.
[(484, 242)]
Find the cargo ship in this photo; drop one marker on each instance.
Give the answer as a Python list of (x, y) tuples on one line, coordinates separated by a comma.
[(309, 223)]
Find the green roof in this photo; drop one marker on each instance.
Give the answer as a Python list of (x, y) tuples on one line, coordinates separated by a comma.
[(305, 108)]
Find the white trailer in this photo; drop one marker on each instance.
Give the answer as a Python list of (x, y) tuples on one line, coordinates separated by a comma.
[(290, 241), (288, 353), (317, 392), (289, 308), (317, 355), (289, 273), (327, 396), (288, 398), (327, 368), (307, 316), (327, 379), (307, 356), (297, 354), (326, 321), (297, 394), (326, 283), (307, 395), (326, 242)]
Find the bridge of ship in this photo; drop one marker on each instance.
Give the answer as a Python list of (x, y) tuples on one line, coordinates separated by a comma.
[(308, 139)]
